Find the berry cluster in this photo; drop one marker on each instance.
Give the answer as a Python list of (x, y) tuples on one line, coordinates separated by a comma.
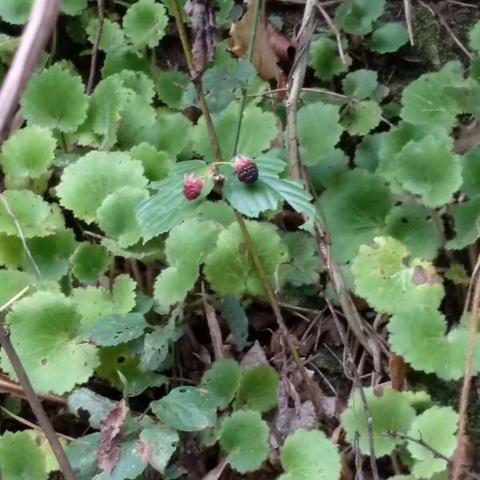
[(245, 169), (192, 187)]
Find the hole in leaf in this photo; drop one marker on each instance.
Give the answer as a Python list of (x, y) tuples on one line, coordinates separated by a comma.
[(121, 359)]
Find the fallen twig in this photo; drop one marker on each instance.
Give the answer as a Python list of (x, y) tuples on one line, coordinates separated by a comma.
[(213, 327), (335, 30), (407, 5), (98, 38)]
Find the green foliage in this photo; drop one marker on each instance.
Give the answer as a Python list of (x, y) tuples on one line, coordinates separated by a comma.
[(115, 329), (112, 35), (40, 103), (244, 436), (15, 11), (222, 380), (474, 37), (170, 85), (360, 84), (28, 153), (73, 7), (361, 117), (161, 444), (390, 412), (258, 388), (309, 455), (357, 16), (466, 218), (389, 38), (325, 60), (89, 261)]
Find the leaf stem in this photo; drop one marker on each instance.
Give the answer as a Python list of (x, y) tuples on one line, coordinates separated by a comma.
[(250, 245)]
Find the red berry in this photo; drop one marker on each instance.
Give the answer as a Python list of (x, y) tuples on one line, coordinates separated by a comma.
[(246, 169), (192, 187)]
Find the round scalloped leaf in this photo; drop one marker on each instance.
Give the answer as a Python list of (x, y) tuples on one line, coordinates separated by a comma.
[(367, 152), (390, 281), (360, 84), (145, 23), (474, 37), (11, 251), (429, 168), (388, 38), (230, 269), (361, 117), (313, 119), (89, 261), (43, 329), (28, 152), (430, 100), (170, 85), (411, 224), (390, 412), (112, 35), (258, 388), (187, 409), (325, 60), (15, 11), (354, 209), (467, 223), (117, 215), (309, 455), (157, 165), (36, 217), (328, 169), (12, 282), (40, 100), (259, 129), (357, 16), (436, 427), (222, 380), (86, 183), (112, 330), (160, 443), (73, 7), (471, 172), (21, 458), (244, 436), (419, 335)]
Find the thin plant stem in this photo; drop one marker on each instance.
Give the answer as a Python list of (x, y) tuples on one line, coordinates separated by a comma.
[(98, 38)]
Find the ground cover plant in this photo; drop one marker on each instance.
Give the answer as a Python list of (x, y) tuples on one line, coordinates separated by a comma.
[(238, 240)]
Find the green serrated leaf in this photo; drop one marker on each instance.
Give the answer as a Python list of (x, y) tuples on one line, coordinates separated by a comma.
[(359, 118), (11, 251), (40, 103), (471, 172), (222, 380), (160, 444), (360, 84), (325, 60), (388, 38), (187, 409), (112, 35), (157, 164), (467, 223), (73, 7), (15, 11), (115, 329), (236, 318), (171, 85), (474, 37), (229, 268), (258, 388), (357, 16), (82, 455), (244, 436), (89, 261), (354, 208), (29, 152), (309, 455), (43, 329), (390, 412), (391, 281)]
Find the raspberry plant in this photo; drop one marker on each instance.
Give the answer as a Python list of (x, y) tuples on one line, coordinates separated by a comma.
[(121, 219)]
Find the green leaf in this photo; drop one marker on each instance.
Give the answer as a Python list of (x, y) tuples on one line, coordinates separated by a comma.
[(97, 406), (73, 7), (89, 261), (82, 455), (36, 217), (222, 380), (236, 318), (313, 119), (354, 208), (170, 86), (391, 281), (467, 223), (156, 348), (390, 412), (412, 225), (129, 465), (112, 35), (471, 172), (11, 251), (360, 84), (12, 282), (157, 165), (86, 183), (40, 103), (258, 388), (20, 457), (361, 117), (43, 329), (325, 60), (328, 169), (144, 23), (187, 409), (309, 455), (388, 38), (124, 59), (15, 11), (419, 335), (115, 329), (357, 16), (117, 215), (229, 268), (258, 130), (430, 100), (28, 152), (429, 168), (244, 436), (436, 427), (474, 37), (160, 444)]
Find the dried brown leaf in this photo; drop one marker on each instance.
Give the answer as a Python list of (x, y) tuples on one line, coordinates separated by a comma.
[(108, 452), (398, 371)]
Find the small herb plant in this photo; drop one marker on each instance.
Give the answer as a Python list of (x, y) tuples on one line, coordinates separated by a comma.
[(122, 220)]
